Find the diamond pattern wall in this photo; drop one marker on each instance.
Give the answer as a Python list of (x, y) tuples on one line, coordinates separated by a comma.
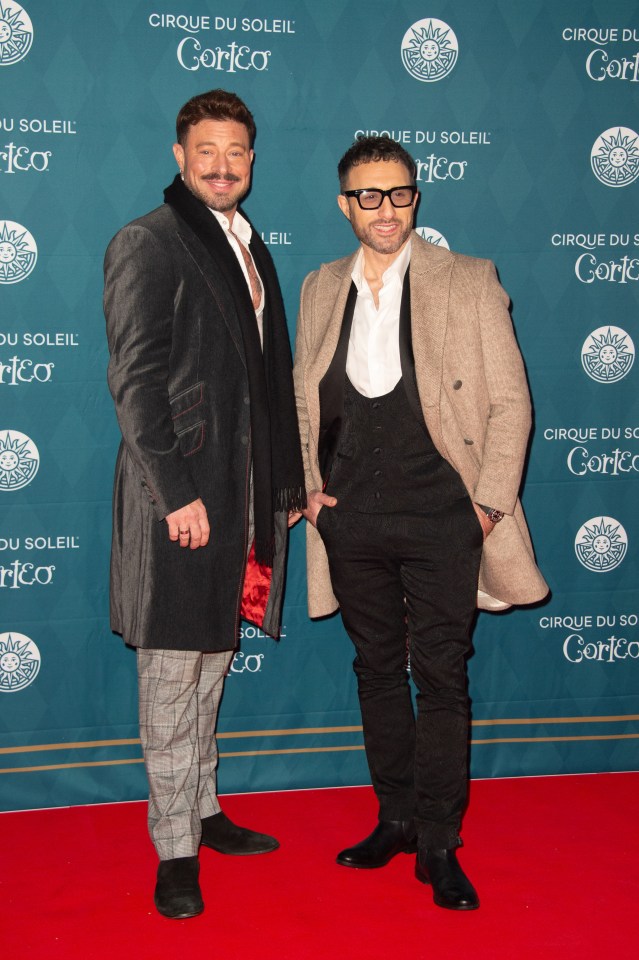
[(504, 143)]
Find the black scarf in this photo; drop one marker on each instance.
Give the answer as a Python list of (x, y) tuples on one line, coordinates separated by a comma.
[(278, 475)]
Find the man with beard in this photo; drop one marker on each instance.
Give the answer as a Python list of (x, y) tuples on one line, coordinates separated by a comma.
[(208, 472), (414, 416)]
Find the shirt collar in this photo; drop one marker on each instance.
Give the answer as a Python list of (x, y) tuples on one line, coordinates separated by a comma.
[(241, 227), (396, 270)]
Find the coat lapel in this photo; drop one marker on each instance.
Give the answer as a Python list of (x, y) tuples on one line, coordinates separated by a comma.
[(330, 302), (224, 279), (331, 390), (430, 273)]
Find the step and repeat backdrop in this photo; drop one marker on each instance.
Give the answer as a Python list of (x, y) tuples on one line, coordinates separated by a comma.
[(522, 117)]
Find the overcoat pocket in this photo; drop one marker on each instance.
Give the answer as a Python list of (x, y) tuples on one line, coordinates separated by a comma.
[(187, 409)]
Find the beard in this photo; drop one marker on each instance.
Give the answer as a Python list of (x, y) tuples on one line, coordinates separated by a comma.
[(221, 202), (367, 236)]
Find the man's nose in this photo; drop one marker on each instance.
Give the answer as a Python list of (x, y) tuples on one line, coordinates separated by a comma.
[(387, 209)]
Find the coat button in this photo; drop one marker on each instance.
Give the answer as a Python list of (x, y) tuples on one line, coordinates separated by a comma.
[(377, 450), (376, 405), (244, 441), (377, 495), (457, 384), (377, 473), (468, 442), (247, 400)]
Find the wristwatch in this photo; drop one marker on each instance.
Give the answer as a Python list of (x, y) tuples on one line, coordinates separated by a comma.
[(493, 515)]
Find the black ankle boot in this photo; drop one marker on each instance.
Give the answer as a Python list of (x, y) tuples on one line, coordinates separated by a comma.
[(221, 834), (389, 838), (451, 887), (177, 891)]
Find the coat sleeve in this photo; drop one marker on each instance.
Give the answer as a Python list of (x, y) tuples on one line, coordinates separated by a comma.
[(509, 417), (139, 304), (302, 349)]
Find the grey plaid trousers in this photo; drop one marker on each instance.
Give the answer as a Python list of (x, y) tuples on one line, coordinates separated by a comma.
[(179, 695)]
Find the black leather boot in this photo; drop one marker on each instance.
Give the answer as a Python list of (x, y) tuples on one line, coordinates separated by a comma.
[(177, 891), (221, 834), (389, 838), (451, 887)]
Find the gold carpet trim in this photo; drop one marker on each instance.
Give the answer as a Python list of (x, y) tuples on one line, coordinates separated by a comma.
[(292, 750), (307, 731)]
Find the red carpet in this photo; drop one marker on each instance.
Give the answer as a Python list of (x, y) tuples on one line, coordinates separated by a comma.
[(554, 861)]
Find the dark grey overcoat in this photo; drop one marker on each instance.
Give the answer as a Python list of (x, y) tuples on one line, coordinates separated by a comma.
[(178, 377)]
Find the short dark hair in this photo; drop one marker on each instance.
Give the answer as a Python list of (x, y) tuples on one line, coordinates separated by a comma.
[(373, 149), (214, 105)]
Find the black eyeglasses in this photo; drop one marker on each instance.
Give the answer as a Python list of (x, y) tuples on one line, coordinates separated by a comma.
[(373, 199)]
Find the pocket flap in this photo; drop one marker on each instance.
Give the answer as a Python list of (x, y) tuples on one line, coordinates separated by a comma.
[(185, 401)]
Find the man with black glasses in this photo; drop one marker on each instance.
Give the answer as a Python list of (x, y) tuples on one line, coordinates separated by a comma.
[(414, 416)]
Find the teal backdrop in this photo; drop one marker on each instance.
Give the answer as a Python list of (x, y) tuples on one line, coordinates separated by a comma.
[(523, 118)]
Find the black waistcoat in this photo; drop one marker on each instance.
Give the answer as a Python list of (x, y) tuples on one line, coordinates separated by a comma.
[(386, 461)]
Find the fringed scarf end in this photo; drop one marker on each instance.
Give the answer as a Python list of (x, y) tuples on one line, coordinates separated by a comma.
[(290, 498)]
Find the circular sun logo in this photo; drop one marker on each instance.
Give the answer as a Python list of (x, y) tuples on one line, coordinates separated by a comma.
[(19, 460), (429, 50), (16, 32), (601, 544), (608, 354), (615, 157), (19, 662), (18, 252), (430, 235)]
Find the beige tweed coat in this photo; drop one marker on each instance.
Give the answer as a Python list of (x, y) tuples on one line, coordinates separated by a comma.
[(474, 396)]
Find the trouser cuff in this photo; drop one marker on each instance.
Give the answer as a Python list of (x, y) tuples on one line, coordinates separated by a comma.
[(437, 836)]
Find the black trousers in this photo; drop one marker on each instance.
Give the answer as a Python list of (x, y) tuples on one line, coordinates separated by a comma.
[(407, 587)]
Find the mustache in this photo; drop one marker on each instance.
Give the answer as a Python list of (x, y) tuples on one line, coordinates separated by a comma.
[(231, 177)]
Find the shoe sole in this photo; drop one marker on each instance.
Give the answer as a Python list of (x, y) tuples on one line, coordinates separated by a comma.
[(180, 916), (239, 853), (409, 848)]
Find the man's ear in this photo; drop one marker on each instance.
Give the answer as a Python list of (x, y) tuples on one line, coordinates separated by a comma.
[(178, 153), (342, 203)]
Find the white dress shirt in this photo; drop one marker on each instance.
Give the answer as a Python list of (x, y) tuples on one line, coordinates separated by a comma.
[(242, 230), (373, 364)]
